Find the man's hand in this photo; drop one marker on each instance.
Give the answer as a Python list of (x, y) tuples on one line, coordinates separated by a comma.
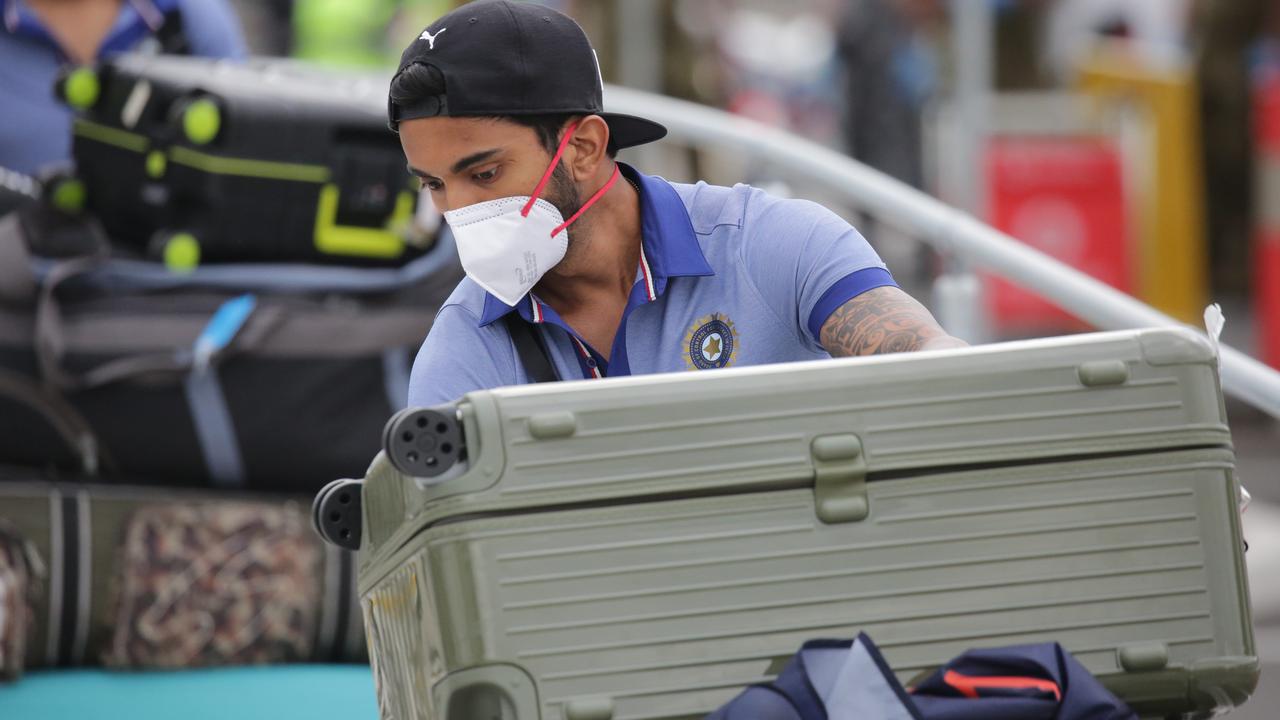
[(883, 320)]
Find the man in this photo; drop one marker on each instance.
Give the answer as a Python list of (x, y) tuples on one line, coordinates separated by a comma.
[(498, 106), (40, 37)]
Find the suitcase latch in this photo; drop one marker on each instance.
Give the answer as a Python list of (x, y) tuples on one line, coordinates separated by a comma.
[(840, 478)]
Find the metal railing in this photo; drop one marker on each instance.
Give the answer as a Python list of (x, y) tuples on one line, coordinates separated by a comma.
[(950, 231)]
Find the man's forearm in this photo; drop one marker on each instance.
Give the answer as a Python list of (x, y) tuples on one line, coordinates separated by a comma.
[(883, 320), (944, 342)]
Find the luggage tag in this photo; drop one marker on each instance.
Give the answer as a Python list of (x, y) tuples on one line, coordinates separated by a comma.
[(1214, 322)]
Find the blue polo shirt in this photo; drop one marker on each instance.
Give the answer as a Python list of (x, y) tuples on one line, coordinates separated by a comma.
[(727, 276), (36, 127)]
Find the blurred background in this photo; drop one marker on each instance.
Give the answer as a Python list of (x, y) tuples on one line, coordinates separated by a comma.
[(1136, 140)]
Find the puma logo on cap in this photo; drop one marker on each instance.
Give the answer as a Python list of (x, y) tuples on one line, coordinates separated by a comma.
[(426, 35)]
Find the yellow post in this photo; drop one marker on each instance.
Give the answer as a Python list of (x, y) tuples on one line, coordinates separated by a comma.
[(1172, 260)]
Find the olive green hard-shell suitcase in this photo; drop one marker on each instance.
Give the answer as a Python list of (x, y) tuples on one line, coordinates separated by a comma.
[(645, 547)]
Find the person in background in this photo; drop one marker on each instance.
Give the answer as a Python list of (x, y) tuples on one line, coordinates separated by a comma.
[(1222, 35), (887, 53), (268, 25), (40, 37), (889, 75)]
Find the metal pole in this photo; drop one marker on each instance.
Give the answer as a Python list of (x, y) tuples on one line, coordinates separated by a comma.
[(640, 44), (958, 295), (947, 229), (972, 24), (640, 53)]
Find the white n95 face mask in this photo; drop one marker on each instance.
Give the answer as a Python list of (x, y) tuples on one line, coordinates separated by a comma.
[(507, 245), (504, 251)]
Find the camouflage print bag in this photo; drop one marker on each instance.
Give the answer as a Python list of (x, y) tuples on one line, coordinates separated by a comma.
[(20, 574), (215, 584)]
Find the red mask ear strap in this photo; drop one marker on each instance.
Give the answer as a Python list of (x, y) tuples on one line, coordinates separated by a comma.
[(603, 189), (546, 176)]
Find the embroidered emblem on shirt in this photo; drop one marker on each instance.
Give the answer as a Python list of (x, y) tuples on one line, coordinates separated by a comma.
[(710, 342)]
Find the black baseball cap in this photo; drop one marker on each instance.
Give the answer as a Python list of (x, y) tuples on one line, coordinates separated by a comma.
[(514, 58)]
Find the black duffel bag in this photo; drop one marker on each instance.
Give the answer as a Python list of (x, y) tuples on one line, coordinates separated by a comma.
[(264, 376)]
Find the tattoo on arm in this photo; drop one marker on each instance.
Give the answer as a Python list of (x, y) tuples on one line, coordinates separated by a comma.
[(882, 320)]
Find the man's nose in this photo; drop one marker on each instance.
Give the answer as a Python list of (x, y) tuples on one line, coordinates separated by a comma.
[(447, 200)]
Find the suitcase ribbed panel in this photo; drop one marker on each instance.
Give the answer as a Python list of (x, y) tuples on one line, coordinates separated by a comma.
[(670, 608), (1114, 392), (725, 434)]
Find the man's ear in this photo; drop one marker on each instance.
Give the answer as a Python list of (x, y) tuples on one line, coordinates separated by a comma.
[(590, 146)]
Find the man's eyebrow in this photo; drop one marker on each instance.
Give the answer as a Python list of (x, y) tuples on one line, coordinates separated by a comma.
[(459, 166), (473, 158)]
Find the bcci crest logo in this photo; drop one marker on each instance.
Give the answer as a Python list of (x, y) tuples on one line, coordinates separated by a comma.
[(711, 342)]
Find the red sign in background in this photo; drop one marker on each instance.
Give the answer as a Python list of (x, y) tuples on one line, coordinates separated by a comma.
[(1064, 196), (1266, 256)]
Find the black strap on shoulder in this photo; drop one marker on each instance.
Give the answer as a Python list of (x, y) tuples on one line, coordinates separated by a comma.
[(172, 34), (531, 349)]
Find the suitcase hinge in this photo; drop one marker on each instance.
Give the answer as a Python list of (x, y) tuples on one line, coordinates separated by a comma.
[(840, 478)]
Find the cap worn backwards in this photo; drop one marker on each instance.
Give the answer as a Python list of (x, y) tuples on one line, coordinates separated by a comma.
[(513, 58)]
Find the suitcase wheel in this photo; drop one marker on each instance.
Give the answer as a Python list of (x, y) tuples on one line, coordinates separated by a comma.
[(422, 442), (336, 513)]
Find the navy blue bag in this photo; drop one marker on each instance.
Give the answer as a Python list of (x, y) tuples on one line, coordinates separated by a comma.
[(843, 680)]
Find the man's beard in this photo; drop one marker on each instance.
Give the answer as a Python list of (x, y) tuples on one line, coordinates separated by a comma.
[(563, 194)]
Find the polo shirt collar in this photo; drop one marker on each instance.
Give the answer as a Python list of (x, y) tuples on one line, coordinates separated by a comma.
[(666, 230), (670, 244)]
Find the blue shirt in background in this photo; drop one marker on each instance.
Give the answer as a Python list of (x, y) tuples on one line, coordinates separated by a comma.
[(36, 128), (727, 276)]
